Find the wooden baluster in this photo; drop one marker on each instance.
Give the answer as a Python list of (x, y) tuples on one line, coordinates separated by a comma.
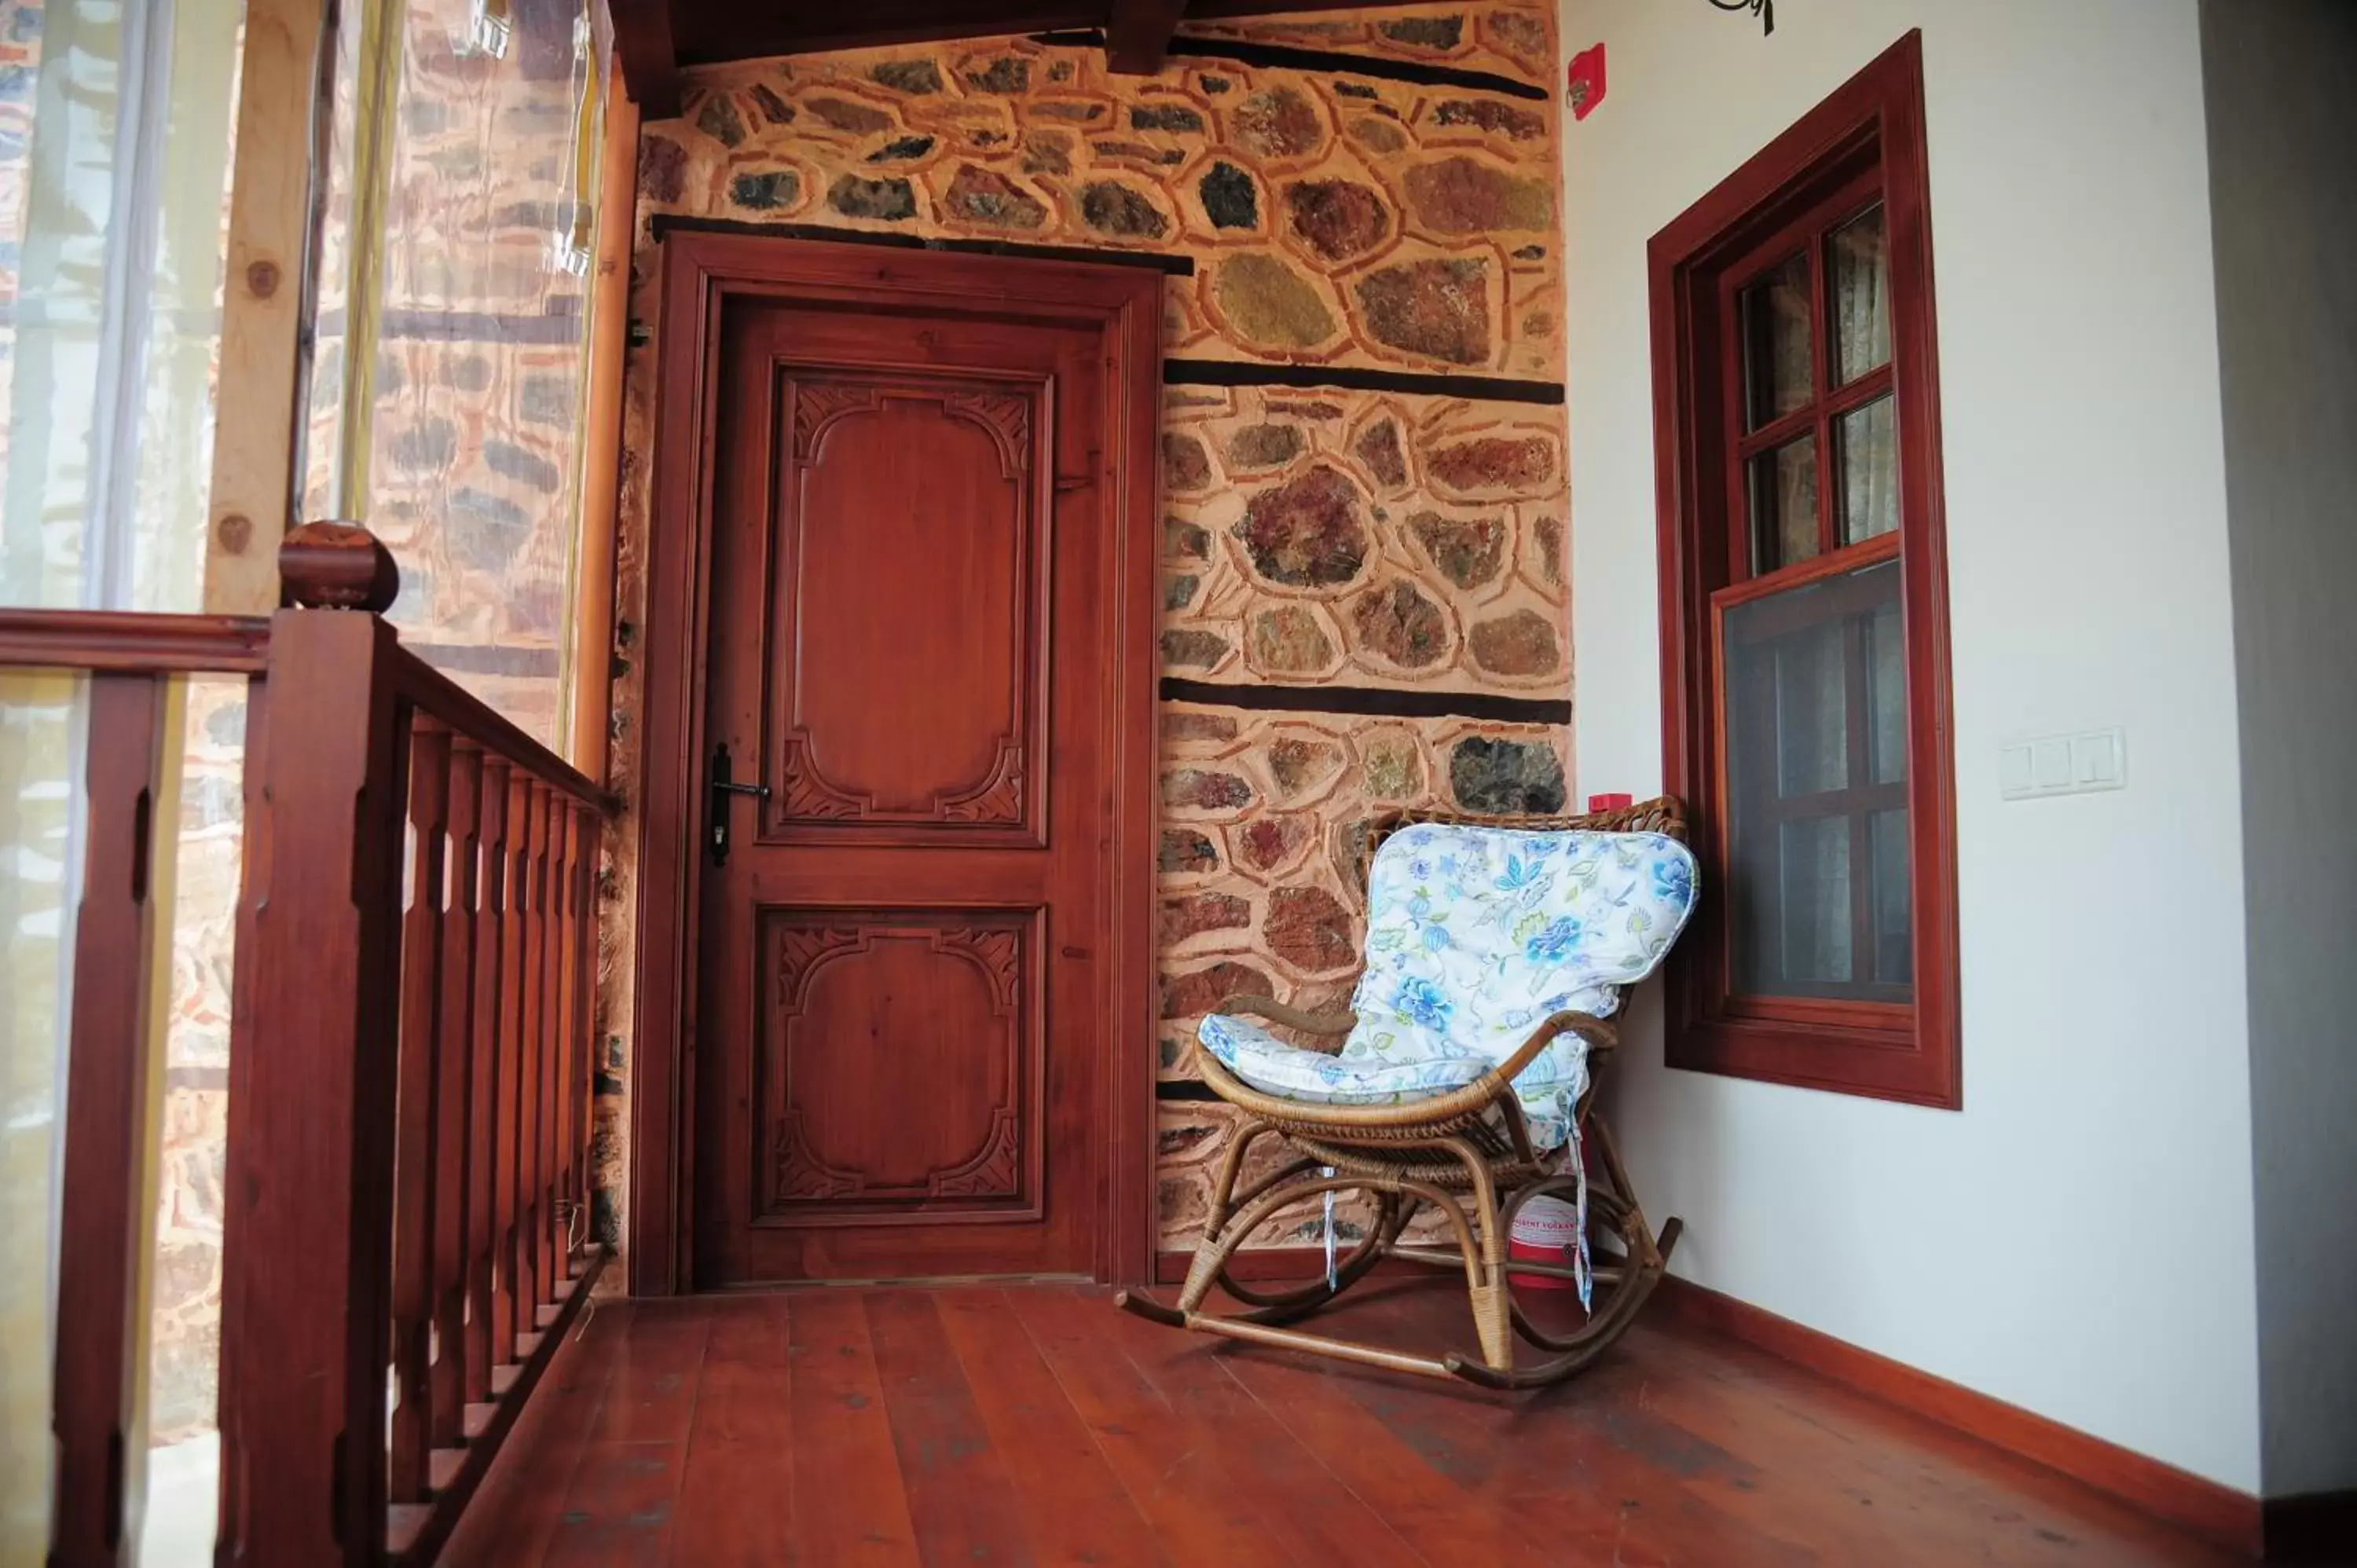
[(560, 1045), (553, 1016), (308, 1224), (560, 1010), (243, 986), (512, 993), (533, 981), (414, 1124), (108, 1108), (484, 1102), (454, 1104), (581, 1082)]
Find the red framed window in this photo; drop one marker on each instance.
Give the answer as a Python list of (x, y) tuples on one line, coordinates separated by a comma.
[(1805, 693)]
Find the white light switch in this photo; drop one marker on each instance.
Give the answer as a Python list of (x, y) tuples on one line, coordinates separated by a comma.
[(2013, 771), (2063, 763), (2097, 760)]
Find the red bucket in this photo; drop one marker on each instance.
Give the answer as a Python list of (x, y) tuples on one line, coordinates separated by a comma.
[(1546, 1231)]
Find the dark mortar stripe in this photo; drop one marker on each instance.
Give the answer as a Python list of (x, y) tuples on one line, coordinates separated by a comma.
[(1295, 58), (1176, 266), (477, 659), (1182, 1089), (478, 326), (1370, 700), (1237, 373), (1288, 56), (458, 326)]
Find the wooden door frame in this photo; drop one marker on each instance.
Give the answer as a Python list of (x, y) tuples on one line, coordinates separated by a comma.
[(701, 271)]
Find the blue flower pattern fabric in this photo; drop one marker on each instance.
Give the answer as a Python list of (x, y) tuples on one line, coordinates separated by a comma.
[(1475, 936)]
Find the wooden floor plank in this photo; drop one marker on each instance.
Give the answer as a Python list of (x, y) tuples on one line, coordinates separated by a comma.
[(850, 1501), (1175, 1482), (1078, 1512), (1036, 1424), (515, 1511), (618, 1512), (1584, 1464), (1440, 1518), (1907, 1484), (962, 1502), (652, 1398), (736, 1503), (1315, 1512)]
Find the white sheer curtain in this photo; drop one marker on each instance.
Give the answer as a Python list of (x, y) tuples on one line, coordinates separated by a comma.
[(116, 121), (469, 462)]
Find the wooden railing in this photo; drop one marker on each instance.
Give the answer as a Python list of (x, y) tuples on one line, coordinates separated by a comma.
[(406, 1198)]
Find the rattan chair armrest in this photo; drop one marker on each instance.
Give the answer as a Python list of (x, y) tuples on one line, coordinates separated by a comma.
[(1600, 1035), (1276, 1011)]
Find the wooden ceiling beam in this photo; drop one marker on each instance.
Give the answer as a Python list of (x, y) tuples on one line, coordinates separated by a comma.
[(707, 32), (711, 31), (649, 64), (1235, 10), (1137, 35)]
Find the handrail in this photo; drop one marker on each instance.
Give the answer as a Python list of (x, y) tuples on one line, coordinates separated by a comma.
[(409, 1075), (135, 644), (462, 713)]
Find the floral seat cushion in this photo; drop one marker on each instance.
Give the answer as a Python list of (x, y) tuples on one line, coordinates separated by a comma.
[(1475, 936)]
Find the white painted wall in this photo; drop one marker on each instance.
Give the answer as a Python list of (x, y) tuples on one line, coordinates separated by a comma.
[(2078, 1240), (2280, 81)]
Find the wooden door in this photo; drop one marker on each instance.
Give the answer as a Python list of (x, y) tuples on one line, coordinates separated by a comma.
[(900, 1068)]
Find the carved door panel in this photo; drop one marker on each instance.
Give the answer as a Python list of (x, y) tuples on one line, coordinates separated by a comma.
[(894, 1073)]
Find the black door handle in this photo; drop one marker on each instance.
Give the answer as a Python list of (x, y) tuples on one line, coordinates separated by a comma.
[(721, 786)]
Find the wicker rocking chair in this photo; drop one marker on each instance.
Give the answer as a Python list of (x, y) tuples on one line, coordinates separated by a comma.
[(1497, 949)]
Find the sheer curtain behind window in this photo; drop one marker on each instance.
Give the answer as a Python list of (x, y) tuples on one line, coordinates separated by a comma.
[(116, 122), (469, 464)]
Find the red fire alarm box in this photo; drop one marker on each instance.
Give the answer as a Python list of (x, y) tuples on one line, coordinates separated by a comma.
[(1584, 82)]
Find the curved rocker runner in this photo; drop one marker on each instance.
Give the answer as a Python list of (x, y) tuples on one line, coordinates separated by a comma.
[(1497, 951)]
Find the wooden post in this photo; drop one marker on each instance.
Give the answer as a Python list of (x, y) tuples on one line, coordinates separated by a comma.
[(305, 1281), (109, 1109), (601, 468), (271, 234)]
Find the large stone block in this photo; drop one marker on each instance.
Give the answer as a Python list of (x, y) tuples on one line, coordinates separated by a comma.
[(1308, 533)]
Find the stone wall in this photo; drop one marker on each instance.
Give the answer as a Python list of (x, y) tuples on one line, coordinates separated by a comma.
[(1406, 538)]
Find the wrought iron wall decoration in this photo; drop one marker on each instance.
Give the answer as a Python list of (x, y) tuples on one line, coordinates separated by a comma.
[(1763, 9)]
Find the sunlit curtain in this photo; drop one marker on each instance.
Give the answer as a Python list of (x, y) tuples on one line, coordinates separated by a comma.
[(468, 462), (116, 124)]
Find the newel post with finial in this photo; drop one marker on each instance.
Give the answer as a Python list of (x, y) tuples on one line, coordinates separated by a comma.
[(306, 1268), (337, 566)]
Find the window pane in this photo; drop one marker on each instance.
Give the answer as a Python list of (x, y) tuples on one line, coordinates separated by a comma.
[(1777, 371), (1861, 267), (461, 397), (1815, 714), (1885, 696), (1868, 440), (1812, 709), (1894, 903), (1784, 505), (1814, 924)]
